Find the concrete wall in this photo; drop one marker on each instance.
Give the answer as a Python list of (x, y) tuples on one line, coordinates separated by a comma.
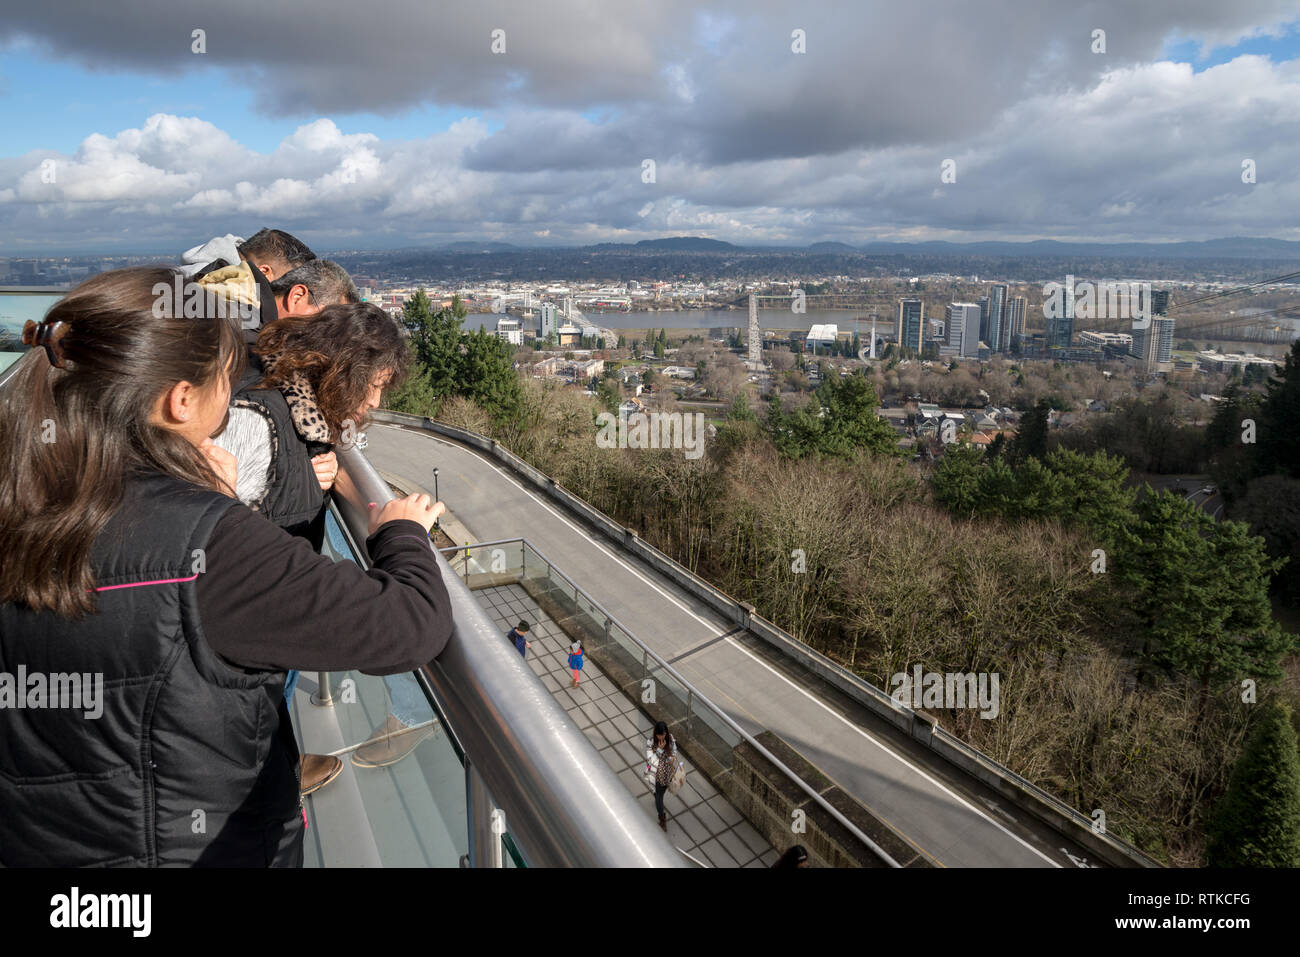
[(922, 728)]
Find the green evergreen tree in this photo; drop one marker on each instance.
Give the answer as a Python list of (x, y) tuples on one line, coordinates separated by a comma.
[(436, 336), (607, 395), (1233, 462), (1093, 492), (1257, 821), (998, 488), (956, 479), (1271, 506), (1279, 431), (839, 421), (740, 410), (1200, 593), (851, 422), (415, 396), (487, 376), (1031, 441)]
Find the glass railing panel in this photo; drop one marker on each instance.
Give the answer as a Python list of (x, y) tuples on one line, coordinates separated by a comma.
[(485, 565), (401, 770), (400, 799)]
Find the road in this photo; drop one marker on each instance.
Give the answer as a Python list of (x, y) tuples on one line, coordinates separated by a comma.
[(1199, 489)]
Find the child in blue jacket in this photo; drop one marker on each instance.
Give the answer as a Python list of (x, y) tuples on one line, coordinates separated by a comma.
[(575, 661)]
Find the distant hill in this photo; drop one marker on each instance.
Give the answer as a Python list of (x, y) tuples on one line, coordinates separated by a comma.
[(1232, 248), (486, 247), (685, 244), (1228, 248)]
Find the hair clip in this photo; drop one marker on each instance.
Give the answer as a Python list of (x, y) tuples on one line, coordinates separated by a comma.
[(47, 334)]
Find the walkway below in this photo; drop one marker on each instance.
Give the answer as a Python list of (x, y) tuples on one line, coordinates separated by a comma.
[(700, 820), (947, 815)]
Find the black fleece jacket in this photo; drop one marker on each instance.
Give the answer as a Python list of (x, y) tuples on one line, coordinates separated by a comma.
[(267, 601)]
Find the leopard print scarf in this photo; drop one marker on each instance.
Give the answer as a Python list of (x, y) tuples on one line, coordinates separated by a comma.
[(301, 397)]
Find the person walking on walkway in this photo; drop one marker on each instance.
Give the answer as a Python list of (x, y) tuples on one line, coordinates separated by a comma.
[(796, 856), (575, 661), (518, 635), (661, 762)]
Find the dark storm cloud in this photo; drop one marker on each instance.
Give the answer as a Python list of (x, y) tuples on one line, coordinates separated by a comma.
[(749, 140), (722, 76)]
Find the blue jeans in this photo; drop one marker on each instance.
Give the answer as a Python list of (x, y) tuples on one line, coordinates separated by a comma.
[(290, 682), (409, 705)]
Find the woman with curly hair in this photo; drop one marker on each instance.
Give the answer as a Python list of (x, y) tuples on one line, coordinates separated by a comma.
[(323, 375)]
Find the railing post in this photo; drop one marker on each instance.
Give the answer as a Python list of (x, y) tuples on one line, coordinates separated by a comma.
[(324, 697), (485, 821)]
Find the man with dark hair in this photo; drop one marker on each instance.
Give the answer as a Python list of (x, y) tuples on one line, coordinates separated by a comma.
[(241, 270), (311, 287), (517, 637), (274, 252)]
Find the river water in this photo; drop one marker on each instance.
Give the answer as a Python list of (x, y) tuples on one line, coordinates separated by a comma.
[(782, 319)]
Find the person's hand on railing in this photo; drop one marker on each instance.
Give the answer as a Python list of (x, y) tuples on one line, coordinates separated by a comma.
[(417, 507), (326, 466)]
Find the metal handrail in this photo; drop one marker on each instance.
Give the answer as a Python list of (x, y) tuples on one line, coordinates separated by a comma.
[(564, 805), (693, 692)]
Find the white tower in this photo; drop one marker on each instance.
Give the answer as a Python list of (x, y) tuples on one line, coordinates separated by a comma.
[(755, 337)]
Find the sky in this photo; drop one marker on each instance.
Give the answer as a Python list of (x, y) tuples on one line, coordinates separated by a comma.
[(398, 123)]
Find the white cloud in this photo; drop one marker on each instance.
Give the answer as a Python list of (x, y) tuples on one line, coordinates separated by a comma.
[(1150, 151)]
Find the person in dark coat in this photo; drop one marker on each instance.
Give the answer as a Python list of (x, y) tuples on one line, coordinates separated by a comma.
[(518, 636)]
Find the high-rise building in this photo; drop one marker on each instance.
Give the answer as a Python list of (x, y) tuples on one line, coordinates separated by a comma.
[(1153, 344), (995, 333), (548, 319), (509, 330), (1138, 347), (962, 322), (1016, 308), (984, 318), (911, 322), (1160, 302), (1163, 339), (1060, 328)]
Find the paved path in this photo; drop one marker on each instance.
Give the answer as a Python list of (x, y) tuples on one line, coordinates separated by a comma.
[(700, 820), (948, 816)]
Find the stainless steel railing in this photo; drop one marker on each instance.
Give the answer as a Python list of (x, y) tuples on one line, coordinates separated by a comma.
[(563, 806)]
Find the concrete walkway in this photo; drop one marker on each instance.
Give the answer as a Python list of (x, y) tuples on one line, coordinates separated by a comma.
[(700, 820)]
